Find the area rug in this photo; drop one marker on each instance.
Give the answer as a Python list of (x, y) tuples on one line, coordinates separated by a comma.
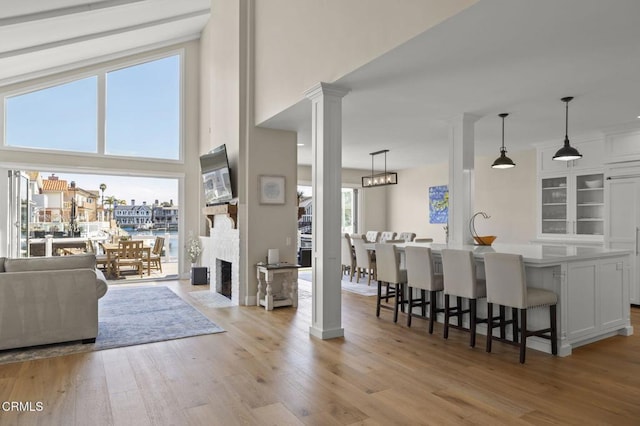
[(360, 288), (130, 316)]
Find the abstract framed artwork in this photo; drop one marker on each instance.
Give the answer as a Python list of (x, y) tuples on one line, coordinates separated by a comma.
[(438, 204)]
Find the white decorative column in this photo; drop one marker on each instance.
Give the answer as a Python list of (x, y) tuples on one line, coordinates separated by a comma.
[(461, 178), (326, 144)]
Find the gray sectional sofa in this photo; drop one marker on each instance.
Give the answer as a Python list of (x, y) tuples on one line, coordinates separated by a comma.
[(49, 300)]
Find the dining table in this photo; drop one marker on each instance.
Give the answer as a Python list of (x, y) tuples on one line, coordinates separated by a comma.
[(111, 250)]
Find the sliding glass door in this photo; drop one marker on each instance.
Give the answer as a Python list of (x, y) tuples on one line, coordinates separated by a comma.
[(19, 214)]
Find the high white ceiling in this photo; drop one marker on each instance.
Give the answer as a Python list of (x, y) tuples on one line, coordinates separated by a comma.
[(41, 36), (518, 57)]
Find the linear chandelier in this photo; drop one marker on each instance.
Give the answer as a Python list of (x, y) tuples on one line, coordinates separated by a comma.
[(379, 179)]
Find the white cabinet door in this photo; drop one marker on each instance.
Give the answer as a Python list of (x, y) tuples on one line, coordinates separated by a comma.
[(582, 292), (572, 205), (612, 285), (623, 223)]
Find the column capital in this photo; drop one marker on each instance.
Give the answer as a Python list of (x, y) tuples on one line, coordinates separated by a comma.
[(325, 89), (465, 117)]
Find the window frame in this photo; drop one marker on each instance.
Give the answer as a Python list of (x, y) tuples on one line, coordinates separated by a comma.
[(101, 73)]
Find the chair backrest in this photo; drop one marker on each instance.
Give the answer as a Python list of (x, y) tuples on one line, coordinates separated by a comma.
[(423, 240), (407, 236), (130, 249), (363, 257), (459, 269), (506, 279), (348, 257), (158, 245), (90, 247), (372, 236), (386, 235), (387, 263), (420, 270)]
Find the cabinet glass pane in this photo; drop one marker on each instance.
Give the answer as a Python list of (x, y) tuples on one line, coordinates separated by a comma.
[(554, 205), (590, 204)]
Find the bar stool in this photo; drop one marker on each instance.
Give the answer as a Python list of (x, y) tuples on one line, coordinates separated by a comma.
[(460, 280), (507, 286), (421, 275), (389, 272)]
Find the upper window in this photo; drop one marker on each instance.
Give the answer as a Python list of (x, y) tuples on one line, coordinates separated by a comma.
[(61, 117), (140, 113), (143, 110)]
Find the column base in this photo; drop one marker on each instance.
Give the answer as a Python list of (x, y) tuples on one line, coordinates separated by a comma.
[(326, 334)]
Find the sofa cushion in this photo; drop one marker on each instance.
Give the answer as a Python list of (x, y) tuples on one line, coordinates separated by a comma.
[(79, 261), (2, 264)]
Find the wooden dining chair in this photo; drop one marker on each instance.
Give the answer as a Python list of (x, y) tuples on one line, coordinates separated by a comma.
[(101, 259), (155, 258), (130, 254)]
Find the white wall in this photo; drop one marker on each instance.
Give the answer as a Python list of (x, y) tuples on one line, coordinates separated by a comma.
[(508, 196), (302, 42)]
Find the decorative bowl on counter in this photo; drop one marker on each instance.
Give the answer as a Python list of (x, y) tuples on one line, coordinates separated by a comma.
[(593, 183), (485, 240)]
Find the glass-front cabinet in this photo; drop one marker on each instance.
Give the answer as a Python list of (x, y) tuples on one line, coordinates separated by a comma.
[(572, 204)]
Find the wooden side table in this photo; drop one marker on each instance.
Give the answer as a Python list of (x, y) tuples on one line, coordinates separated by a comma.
[(274, 298)]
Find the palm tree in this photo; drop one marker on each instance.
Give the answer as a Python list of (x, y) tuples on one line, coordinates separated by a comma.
[(110, 201)]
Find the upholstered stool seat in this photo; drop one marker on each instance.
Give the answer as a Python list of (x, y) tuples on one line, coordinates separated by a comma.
[(507, 286), (421, 275), (389, 272), (460, 280)]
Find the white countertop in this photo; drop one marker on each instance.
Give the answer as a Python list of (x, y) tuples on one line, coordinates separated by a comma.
[(543, 254)]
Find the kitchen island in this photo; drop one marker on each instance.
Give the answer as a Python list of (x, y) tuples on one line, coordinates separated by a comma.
[(592, 284)]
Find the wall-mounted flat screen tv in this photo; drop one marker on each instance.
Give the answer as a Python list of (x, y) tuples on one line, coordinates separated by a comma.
[(216, 178)]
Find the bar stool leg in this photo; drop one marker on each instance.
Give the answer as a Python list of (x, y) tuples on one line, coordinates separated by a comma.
[(379, 299), (432, 309), (472, 322), (423, 302), (523, 337), (489, 325), (554, 330), (514, 331), (459, 310), (446, 316), (503, 326), (395, 305)]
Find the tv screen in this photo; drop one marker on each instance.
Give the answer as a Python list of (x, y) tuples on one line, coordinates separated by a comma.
[(216, 178)]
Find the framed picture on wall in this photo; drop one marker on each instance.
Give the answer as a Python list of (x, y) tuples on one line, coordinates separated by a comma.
[(272, 189), (438, 204)]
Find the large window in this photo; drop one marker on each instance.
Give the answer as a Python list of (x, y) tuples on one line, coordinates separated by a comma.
[(143, 110), (63, 117), (138, 107)]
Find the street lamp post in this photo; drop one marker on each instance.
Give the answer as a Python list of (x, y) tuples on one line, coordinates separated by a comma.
[(102, 189)]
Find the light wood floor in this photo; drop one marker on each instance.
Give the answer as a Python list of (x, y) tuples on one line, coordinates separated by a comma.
[(266, 369)]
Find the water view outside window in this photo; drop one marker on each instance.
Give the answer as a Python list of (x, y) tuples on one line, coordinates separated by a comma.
[(62, 117), (143, 110)]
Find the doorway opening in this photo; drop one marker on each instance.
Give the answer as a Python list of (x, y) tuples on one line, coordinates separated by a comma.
[(61, 214)]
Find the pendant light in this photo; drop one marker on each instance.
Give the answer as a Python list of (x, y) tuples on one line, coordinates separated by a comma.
[(567, 152), (379, 179), (503, 162)]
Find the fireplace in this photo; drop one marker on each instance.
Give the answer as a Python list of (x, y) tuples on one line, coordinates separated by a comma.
[(223, 278)]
